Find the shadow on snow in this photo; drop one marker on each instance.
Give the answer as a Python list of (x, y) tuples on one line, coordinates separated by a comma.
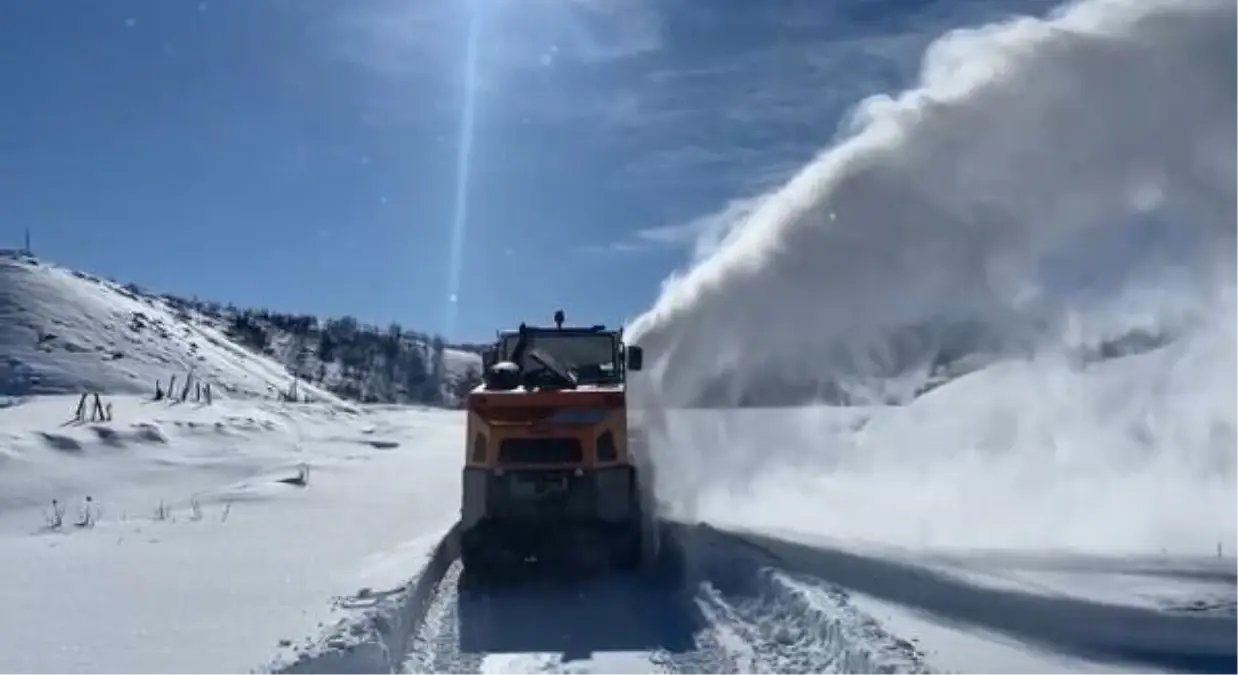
[(1087, 628), (577, 618)]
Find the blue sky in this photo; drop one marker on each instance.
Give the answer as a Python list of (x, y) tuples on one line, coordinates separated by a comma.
[(304, 155)]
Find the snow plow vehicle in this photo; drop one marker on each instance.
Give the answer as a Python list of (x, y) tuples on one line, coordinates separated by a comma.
[(551, 475)]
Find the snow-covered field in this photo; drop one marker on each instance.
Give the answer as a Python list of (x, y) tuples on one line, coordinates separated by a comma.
[(198, 558)]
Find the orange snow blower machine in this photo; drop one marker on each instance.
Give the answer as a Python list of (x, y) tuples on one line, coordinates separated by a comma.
[(551, 473)]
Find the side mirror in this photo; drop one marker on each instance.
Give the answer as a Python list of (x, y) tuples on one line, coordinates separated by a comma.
[(636, 357)]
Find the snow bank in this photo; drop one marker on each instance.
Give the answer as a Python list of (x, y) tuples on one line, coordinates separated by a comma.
[(377, 623)]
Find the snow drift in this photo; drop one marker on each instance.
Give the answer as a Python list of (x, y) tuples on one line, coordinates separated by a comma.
[(1057, 181)]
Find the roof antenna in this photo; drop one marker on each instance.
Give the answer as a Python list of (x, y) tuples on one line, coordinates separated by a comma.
[(559, 319)]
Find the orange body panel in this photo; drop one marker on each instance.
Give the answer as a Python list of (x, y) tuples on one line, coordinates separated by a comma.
[(583, 415)]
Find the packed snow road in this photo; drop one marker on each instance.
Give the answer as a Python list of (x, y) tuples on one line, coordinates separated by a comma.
[(734, 616)]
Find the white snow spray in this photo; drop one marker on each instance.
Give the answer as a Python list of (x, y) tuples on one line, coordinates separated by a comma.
[(1055, 181)]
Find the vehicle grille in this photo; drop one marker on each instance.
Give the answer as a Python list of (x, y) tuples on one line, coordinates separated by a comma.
[(540, 451)]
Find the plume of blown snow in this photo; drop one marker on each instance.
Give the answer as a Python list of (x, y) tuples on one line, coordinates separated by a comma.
[(1022, 139), (1130, 455), (1026, 143)]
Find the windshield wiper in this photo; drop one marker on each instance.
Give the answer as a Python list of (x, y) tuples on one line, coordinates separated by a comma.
[(562, 372)]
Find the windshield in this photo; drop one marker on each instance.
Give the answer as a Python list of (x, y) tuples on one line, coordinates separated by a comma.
[(590, 357)]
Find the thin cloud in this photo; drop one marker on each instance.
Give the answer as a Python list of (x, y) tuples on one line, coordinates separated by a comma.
[(609, 30), (395, 39), (402, 39), (763, 101)]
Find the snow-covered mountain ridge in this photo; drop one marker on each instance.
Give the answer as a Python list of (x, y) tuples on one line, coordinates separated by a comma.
[(66, 331)]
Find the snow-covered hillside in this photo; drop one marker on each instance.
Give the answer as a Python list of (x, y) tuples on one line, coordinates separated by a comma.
[(65, 331)]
